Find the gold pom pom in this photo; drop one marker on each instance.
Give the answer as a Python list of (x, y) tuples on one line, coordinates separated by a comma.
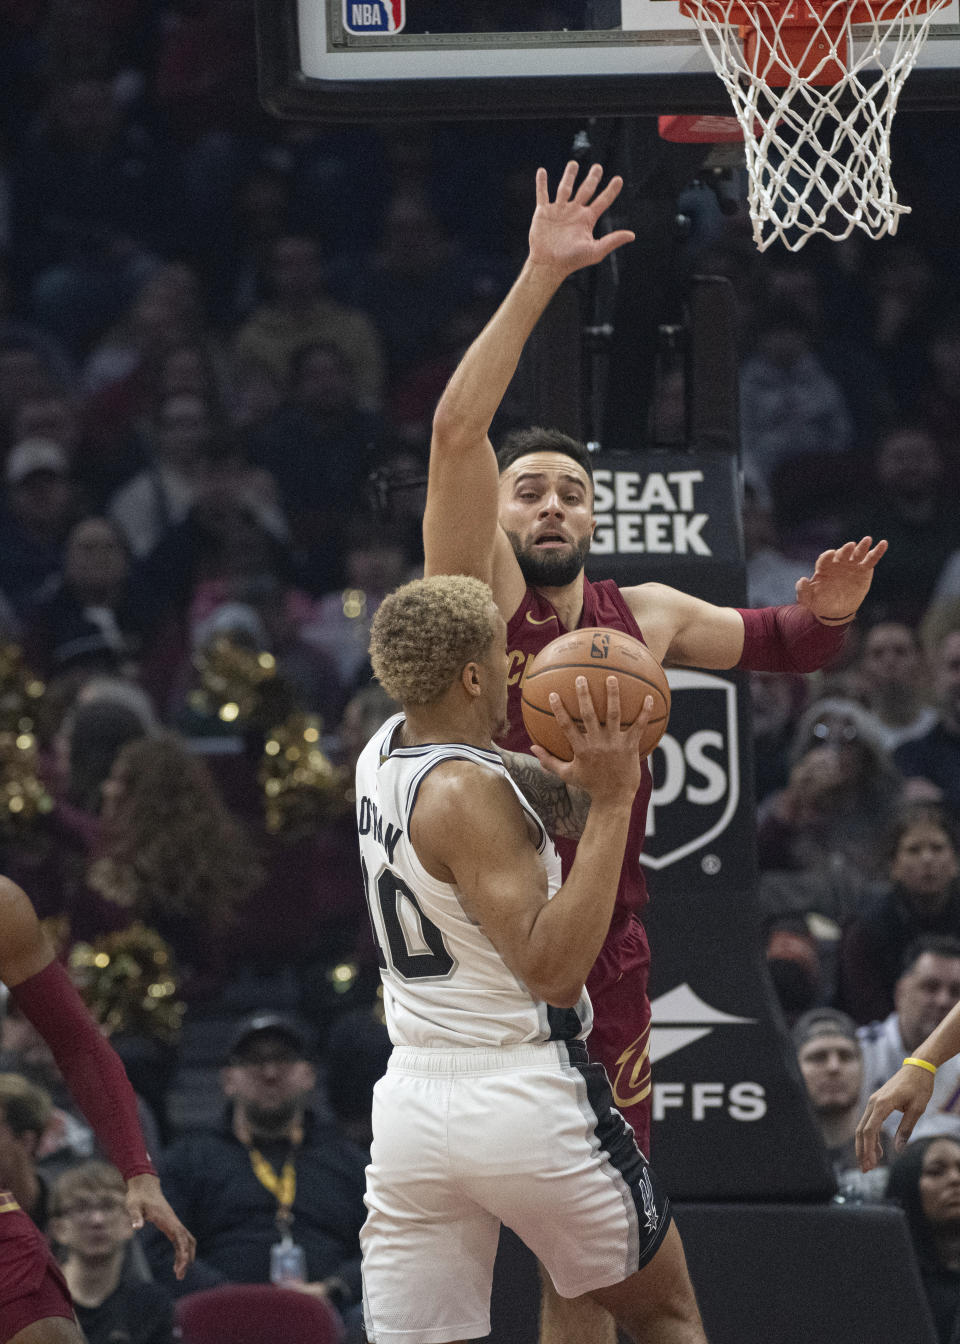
[(23, 795), (128, 981), (232, 679), (300, 784)]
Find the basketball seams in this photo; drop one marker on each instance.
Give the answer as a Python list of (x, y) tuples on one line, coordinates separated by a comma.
[(593, 667), (573, 719)]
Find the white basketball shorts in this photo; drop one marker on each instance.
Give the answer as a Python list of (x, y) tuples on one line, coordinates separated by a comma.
[(465, 1140)]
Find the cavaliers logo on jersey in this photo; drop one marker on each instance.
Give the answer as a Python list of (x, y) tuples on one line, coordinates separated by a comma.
[(374, 16)]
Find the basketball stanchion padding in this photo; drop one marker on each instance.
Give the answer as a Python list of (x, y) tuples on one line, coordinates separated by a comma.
[(595, 653), (814, 86)]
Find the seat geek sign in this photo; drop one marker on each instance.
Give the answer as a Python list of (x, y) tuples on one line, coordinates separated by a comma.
[(666, 505)]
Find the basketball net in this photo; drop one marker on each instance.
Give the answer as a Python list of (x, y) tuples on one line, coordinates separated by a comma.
[(815, 110)]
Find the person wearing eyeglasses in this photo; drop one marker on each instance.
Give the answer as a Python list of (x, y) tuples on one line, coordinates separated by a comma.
[(274, 1193), (830, 818), (115, 1301)]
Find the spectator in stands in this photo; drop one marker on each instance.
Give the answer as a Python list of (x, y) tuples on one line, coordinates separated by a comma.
[(928, 987), (901, 288), (793, 416), (938, 399), (88, 1221), (106, 714), (794, 964), (776, 702), (771, 575), (85, 613), (161, 495), (320, 447), (124, 374), (925, 1180), (910, 505), (166, 312), (932, 762), (375, 561), (25, 371), (171, 856), (66, 1138), (37, 514), (417, 277), (299, 311), (91, 211), (275, 1170), (842, 789), (831, 1062), (891, 677), (25, 1111), (920, 897)]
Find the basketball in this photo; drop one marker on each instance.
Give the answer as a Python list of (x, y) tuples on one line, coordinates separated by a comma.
[(596, 654)]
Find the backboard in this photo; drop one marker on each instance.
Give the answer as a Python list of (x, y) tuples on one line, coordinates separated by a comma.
[(370, 60)]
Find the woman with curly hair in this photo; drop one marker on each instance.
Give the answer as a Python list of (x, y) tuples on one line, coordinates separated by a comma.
[(171, 856)]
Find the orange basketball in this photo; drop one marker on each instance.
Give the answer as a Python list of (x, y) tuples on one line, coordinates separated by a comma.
[(594, 653)]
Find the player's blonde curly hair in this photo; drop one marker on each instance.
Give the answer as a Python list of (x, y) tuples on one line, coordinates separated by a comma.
[(426, 632)]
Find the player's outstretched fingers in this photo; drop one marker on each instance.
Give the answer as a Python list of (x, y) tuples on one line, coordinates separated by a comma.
[(613, 705), (589, 184), (588, 711), (565, 185)]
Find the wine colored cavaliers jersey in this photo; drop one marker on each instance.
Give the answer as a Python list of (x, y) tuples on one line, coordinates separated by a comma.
[(531, 627), (444, 983)]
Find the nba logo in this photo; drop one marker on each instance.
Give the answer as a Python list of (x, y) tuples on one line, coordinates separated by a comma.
[(374, 16)]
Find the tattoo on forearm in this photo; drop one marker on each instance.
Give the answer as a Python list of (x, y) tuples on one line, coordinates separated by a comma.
[(562, 808)]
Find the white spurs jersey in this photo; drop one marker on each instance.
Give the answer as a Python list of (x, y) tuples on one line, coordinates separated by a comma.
[(444, 983)]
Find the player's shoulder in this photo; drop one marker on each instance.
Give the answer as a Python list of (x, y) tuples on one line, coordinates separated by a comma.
[(466, 793)]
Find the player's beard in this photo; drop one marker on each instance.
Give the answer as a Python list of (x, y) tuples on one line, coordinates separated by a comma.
[(550, 569)]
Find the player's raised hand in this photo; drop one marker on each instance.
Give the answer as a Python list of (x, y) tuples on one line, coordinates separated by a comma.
[(561, 234), (841, 580), (908, 1091)]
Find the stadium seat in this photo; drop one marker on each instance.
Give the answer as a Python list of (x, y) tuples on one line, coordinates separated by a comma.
[(252, 1313)]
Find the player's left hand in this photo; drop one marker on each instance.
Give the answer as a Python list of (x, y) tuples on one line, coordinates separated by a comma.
[(841, 580), (908, 1091), (146, 1202)]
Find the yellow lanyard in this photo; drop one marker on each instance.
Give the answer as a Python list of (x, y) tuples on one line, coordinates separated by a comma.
[(282, 1187)]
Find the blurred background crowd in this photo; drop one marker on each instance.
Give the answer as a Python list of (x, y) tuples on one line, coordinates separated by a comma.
[(215, 329)]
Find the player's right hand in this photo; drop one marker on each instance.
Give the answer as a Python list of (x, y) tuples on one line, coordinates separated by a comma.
[(145, 1201), (908, 1091), (561, 233), (606, 758)]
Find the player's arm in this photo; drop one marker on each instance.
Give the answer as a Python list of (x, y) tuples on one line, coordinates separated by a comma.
[(561, 807), (469, 828), (460, 529), (685, 631), (91, 1068), (908, 1091)]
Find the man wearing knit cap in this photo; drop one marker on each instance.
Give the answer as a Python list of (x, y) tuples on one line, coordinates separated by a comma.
[(831, 1063)]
